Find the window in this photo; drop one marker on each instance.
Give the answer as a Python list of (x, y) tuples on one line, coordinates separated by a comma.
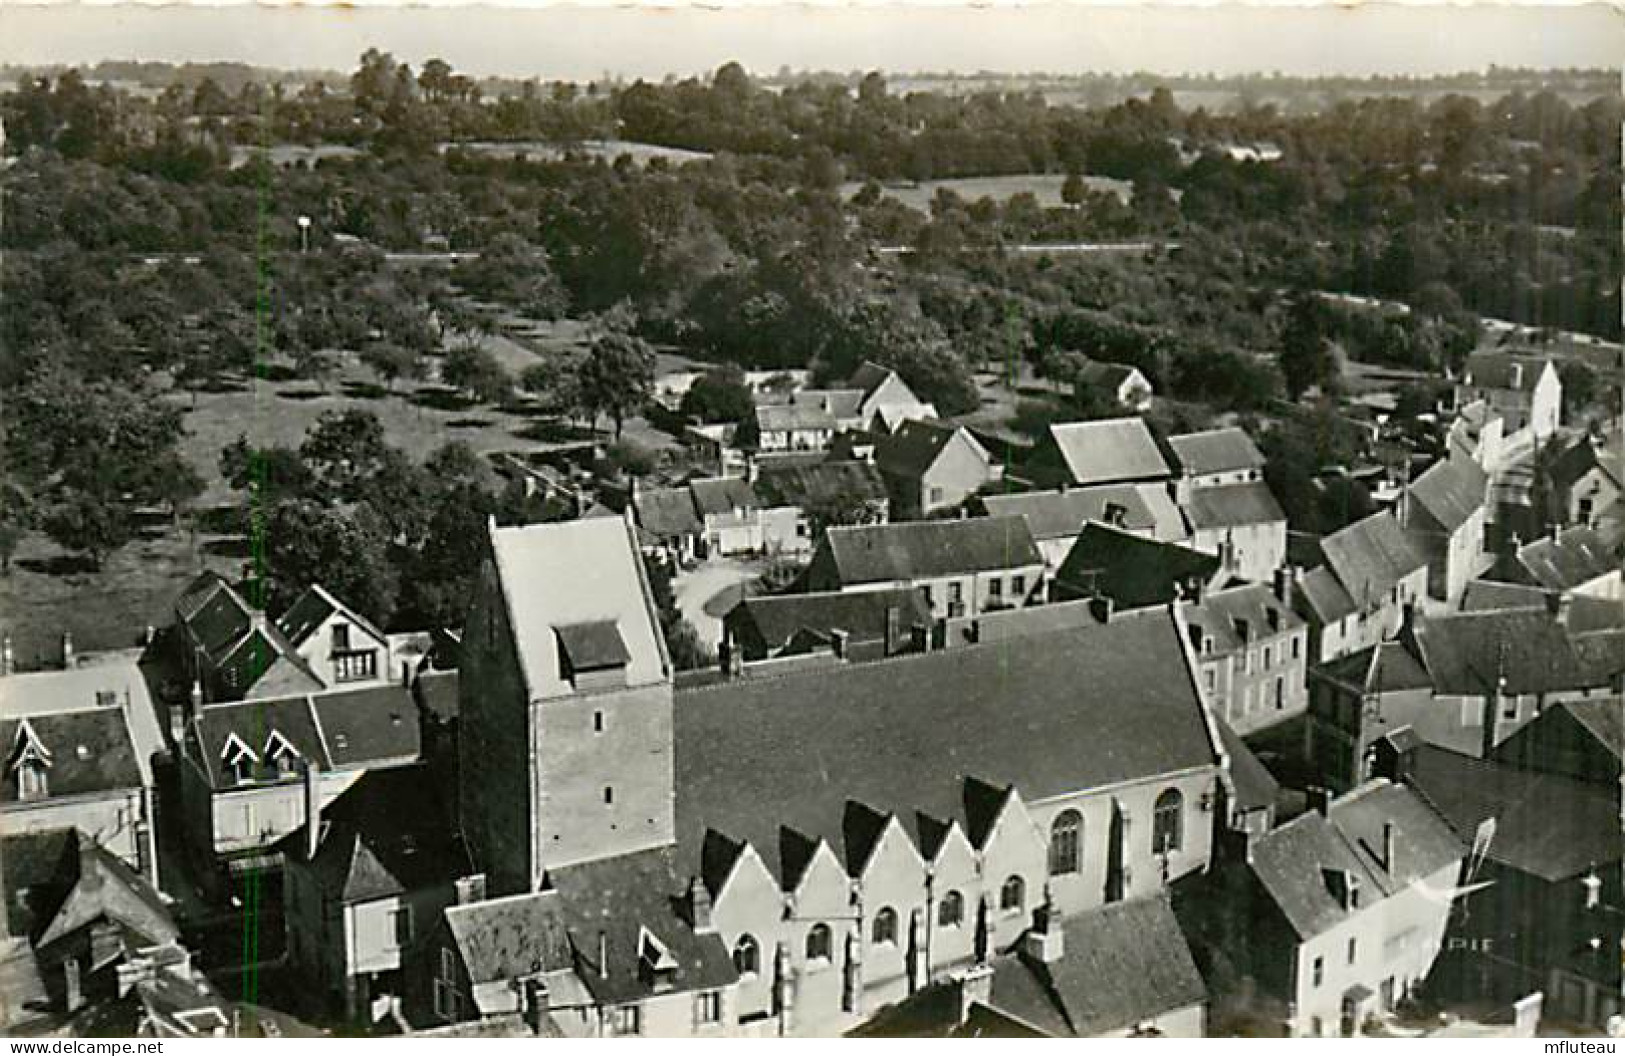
[(1013, 895), (956, 593), (951, 910), (598, 722), (995, 588), (445, 986), (747, 956), (1295, 642), (1316, 1027), (884, 930), (403, 925), (31, 780), (355, 666), (1065, 843), (925, 592), (818, 943), (1269, 656), (628, 1019), (1319, 974), (935, 496), (1509, 710), (242, 769), (609, 796), (1280, 693), (341, 637), (1018, 585), (1208, 677), (1168, 823), (708, 1007), (1352, 951)]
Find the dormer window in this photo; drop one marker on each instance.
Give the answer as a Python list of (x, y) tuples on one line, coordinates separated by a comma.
[(656, 964), (283, 754), (238, 760), (32, 781), (31, 763), (592, 655)]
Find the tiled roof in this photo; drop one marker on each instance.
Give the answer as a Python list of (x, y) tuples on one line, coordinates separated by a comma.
[(915, 446), (714, 495), (1131, 570), (807, 485), (1123, 963), (759, 756), (1451, 491), (1216, 451), (311, 608), (839, 403), (260, 650), (89, 752), (771, 621), (1061, 514), (1104, 452), (789, 417), (1546, 825), (1370, 557), (1525, 650), (1385, 668), (107, 888), (218, 618), (387, 834), (868, 377), (879, 553), (1323, 595), (666, 513), (1574, 557), (1292, 862), (1233, 505), (571, 572)]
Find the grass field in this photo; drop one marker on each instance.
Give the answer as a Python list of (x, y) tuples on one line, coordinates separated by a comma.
[(1046, 188)]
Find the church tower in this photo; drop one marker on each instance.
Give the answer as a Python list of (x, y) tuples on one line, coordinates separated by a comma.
[(565, 704)]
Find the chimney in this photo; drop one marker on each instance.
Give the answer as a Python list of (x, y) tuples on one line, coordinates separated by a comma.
[(537, 1004), (603, 955), (73, 991), (313, 810), (1197, 589), (470, 889), (1101, 608), (1320, 799), (1517, 375), (840, 642), (699, 904), (1591, 884), (1388, 850), (1285, 577), (894, 630), (1044, 943), (8, 659), (975, 987), (1562, 606), (67, 650)]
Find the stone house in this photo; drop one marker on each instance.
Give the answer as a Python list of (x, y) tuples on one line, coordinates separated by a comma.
[(1588, 478), (1109, 451), (1252, 651), (1443, 513), (1217, 457), (1369, 574), (931, 466), (1242, 524), (1522, 389), (1057, 516)]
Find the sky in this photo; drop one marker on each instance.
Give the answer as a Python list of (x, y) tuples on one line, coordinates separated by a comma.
[(581, 42)]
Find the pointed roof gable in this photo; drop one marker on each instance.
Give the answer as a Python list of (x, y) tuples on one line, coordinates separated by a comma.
[(1370, 557), (312, 609), (1451, 491), (1225, 450), (1108, 451)]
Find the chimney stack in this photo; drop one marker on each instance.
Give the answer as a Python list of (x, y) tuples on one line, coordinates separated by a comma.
[(8, 659), (313, 810), (699, 904), (1320, 799), (1102, 608), (1562, 607), (537, 1004), (67, 650), (1591, 884), (1285, 576), (975, 986), (1044, 943), (470, 889), (840, 642)]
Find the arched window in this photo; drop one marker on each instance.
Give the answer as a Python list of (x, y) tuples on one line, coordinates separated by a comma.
[(747, 956), (818, 943), (951, 910), (1013, 895), (884, 929), (1168, 822), (1066, 843)]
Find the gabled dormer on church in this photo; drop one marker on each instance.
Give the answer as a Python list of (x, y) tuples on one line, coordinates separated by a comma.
[(30, 764)]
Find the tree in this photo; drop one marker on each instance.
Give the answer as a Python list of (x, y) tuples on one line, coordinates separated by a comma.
[(345, 549), (1074, 190), (269, 473), (719, 396), (342, 453), (617, 374), (474, 370), (1305, 349), (390, 361), (16, 519)]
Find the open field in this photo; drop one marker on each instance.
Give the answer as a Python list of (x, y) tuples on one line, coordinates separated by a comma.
[(1046, 188)]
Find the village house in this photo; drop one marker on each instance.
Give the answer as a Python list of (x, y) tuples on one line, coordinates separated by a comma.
[(1357, 595), (1251, 649), (1573, 561), (1333, 918), (1443, 513), (663, 899), (1120, 385), (1111, 451), (669, 525), (80, 748), (1588, 479), (339, 645), (1240, 523), (887, 401), (1057, 516), (364, 880), (1581, 739), (964, 567), (931, 466), (242, 765), (840, 492), (1477, 433), (1541, 910), (808, 425), (1217, 457), (865, 624), (1522, 389), (734, 520), (231, 650), (1133, 571)]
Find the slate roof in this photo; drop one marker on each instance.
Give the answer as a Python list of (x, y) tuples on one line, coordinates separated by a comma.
[(593, 645), (436, 692), (880, 553), (340, 730), (869, 376), (1323, 595), (808, 485), (1131, 570), (1221, 613), (1603, 719), (1370, 557), (1255, 788), (90, 752), (1583, 456), (1468, 653), (666, 513), (1123, 963), (1451, 491), (758, 759), (1494, 370), (622, 897), (1104, 452), (717, 495), (1574, 557), (1227, 450), (94, 685), (914, 448), (1586, 614), (839, 403), (389, 833), (214, 614), (1291, 863), (1061, 514), (312, 607), (1233, 505), (570, 572), (509, 938), (1389, 667), (1547, 825), (36, 871), (790, 417), (771, 621), (71, 881)]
